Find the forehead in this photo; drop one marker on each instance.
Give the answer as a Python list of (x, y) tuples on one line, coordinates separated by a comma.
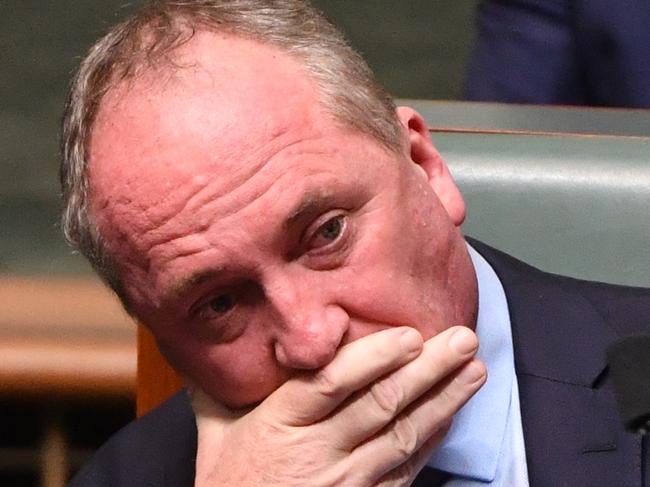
[(183, 138), (230, 102), (223, 91)]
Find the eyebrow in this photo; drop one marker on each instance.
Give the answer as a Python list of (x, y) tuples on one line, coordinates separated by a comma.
[(186, 284), (310, 203)]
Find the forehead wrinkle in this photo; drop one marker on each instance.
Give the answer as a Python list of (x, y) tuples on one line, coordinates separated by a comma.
[(235, 199), (310, 198), (253, 146), (147, 214), (201, 211)]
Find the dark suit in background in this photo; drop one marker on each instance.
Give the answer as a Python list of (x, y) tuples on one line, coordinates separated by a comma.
[(573, 436), (571, 52)]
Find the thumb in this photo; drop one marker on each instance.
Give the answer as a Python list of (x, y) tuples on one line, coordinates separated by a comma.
[(209, 413), (212, 423)]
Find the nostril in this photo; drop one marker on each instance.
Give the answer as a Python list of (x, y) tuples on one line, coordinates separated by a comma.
[(303, 356), (308, 334), (305, 353)]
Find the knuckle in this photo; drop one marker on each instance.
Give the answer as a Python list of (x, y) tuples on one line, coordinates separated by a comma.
[(405, 437), (407, 471), (401, 475), (388, 396), (447, 397), (326, 384)]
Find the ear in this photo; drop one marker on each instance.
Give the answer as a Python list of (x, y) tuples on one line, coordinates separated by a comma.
[(422, 152)]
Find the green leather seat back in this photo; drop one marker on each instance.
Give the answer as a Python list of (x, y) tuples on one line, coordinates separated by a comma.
[(574, 205)]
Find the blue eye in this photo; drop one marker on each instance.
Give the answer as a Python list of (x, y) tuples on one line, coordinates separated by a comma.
[(332, 229), (328, 232)]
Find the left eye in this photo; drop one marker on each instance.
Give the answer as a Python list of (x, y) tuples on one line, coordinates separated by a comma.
[(217, 307), (222, 304), (328, 232)]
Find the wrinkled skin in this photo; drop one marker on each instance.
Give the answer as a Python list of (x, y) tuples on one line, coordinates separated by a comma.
[(256, 235), (211, 187)]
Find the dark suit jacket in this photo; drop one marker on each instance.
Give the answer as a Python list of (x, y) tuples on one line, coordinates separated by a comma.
[(573, 436), (569, 52)]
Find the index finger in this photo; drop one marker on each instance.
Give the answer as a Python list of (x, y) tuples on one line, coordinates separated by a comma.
[(312, 396)]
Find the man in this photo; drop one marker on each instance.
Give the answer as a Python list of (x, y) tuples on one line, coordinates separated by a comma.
[(236, 176)]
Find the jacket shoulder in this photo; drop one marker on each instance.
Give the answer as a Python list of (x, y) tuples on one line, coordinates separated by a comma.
[(157, 449), (625, 309)]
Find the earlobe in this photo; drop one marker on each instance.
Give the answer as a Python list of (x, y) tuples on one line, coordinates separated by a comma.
[(422, 152)]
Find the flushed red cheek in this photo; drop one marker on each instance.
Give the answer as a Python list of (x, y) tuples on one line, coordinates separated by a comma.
[(236, 374)]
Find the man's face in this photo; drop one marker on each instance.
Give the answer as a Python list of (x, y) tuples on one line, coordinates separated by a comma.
[(255, 235)]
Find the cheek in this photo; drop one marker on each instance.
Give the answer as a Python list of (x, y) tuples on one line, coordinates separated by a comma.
[(236, 374), (398, 276)]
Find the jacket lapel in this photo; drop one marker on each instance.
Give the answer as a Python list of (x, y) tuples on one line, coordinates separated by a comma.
[(570, 421)]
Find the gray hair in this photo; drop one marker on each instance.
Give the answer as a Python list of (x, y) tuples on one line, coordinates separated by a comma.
[(147, 40)]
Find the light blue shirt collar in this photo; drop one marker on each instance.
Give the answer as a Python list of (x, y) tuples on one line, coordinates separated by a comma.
[(473, 445)]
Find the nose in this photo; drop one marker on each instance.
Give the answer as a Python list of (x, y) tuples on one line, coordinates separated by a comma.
[(309, 329)]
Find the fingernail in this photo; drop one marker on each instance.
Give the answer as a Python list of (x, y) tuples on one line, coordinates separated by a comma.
[(463, 341), (470, 373), (411, 340)]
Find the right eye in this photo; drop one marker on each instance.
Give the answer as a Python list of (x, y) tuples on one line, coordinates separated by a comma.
[(328, 232), (217, 306)]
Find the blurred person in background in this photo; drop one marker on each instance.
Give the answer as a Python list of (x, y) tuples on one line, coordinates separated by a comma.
[(566, 52)]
